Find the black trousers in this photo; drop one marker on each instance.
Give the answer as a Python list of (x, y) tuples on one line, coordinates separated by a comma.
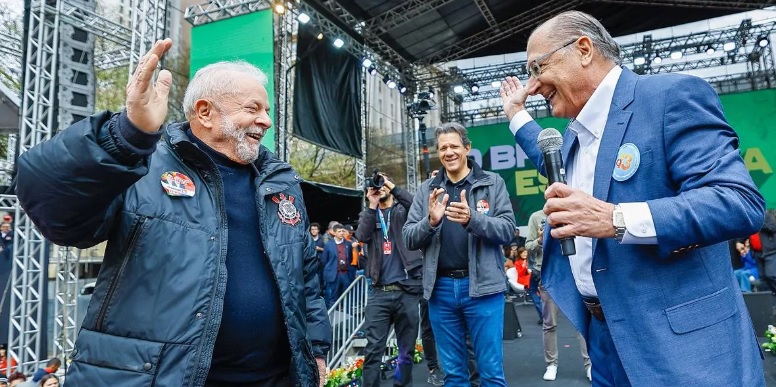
[(427, 336), (277, 381), (386, 308)]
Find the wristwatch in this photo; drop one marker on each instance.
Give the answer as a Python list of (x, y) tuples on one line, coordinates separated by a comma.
[(618, 221)]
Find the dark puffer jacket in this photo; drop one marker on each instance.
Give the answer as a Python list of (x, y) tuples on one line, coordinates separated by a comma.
[(157, 306)]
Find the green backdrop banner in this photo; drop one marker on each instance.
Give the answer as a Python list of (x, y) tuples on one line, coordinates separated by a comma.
[(247, 37), (751, 114)]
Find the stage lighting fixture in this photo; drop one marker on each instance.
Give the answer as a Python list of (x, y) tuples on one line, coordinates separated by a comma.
[(431, 92), (391, 84), (319, 36), (280, 8), (676, 55), (475, 88), (372, 70), (639, 61), (458, 89), (729, 46), (495, 84), (303, 18), (402, 88), (658, 59), (710, 50), (367, 62), (338, 43), (762, 41)]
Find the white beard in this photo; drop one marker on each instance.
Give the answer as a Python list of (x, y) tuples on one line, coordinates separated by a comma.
[(246, 151)]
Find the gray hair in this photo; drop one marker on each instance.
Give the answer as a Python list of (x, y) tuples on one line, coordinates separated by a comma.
[(217, 80), (574, 23), (452, 127)]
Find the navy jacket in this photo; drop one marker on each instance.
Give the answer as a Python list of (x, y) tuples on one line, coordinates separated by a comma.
[(157, 305)]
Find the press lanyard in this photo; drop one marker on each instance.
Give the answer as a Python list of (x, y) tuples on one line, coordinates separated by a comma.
[(382, 222)]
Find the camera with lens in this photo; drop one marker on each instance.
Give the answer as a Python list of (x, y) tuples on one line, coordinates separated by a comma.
[(375, 181)]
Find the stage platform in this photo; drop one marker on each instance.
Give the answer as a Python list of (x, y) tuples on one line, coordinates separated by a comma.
[(524, 359)]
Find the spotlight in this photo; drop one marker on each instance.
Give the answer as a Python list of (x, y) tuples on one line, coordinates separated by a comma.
[(389, 82), (338, 43), (372, 70), (475, 88), (319, 36), (280, 8), (402, 88), (495, 84), (303, 18), (762, 41), (367, 62), (710, 50), (431, 92), (639, 61), (729, 46), (657, 60), (676, 55), (458, 89)]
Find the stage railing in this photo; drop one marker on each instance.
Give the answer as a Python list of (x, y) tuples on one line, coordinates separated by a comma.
[(347, 318)]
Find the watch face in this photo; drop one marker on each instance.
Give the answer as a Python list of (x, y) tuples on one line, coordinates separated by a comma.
[(619, 220)]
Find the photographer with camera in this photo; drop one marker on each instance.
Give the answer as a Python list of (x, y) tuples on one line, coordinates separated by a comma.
[(395, 272)]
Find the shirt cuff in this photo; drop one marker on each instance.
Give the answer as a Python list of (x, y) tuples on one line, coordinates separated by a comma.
[(519, 120), (640, 228)]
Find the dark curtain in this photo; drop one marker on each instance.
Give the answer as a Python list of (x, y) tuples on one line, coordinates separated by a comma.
[(327, 94), (325, 203)]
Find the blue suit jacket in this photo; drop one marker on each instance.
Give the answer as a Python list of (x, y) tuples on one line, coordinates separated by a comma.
[(674, 310)]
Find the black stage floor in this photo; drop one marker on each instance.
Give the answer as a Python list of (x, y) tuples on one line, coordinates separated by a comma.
[(524, 359)]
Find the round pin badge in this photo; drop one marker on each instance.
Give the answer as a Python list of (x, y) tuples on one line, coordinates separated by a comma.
[(628, 161), (177, 184), (483, 207)]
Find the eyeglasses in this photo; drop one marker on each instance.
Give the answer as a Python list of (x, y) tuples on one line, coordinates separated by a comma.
[(534, 68)]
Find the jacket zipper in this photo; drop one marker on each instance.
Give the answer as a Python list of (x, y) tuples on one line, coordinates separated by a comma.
[(136, 228)]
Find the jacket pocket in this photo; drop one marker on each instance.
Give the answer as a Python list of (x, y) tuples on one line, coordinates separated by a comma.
[(701, 312), (100, 359)]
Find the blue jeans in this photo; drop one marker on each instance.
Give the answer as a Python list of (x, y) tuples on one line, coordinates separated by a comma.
[(607, 368), (533, 290), (451, 312), (742, 276)]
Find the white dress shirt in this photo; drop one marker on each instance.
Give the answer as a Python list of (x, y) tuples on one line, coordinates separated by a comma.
[(580, 170)]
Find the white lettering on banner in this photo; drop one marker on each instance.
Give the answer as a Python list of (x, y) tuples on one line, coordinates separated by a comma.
[(502, 157)]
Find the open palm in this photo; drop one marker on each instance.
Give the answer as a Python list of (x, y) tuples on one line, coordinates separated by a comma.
[(146, 99)]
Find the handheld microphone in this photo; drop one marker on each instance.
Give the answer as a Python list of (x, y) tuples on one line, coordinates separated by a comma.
[(550, 141)]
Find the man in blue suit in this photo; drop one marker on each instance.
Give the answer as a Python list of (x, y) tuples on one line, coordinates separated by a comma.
[(656, 186)]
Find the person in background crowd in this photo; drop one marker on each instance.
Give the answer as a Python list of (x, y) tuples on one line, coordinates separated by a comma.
[(336, 263), (5, 365), (395, 272), (315, 230), (6, 241), (748, 273), (210, 276), (768, 250), (656, 185), (549, 309), (459, 219), (49, 381), (52, 366), (16, 379)]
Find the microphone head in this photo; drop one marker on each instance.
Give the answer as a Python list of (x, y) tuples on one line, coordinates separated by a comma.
[(549, 140)]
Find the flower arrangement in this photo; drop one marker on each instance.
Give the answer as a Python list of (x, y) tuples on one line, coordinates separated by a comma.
[(347, 376), (350, 374), (770, 345)]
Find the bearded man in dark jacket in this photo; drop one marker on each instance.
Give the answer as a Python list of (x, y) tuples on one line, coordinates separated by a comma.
[(209, 277)]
